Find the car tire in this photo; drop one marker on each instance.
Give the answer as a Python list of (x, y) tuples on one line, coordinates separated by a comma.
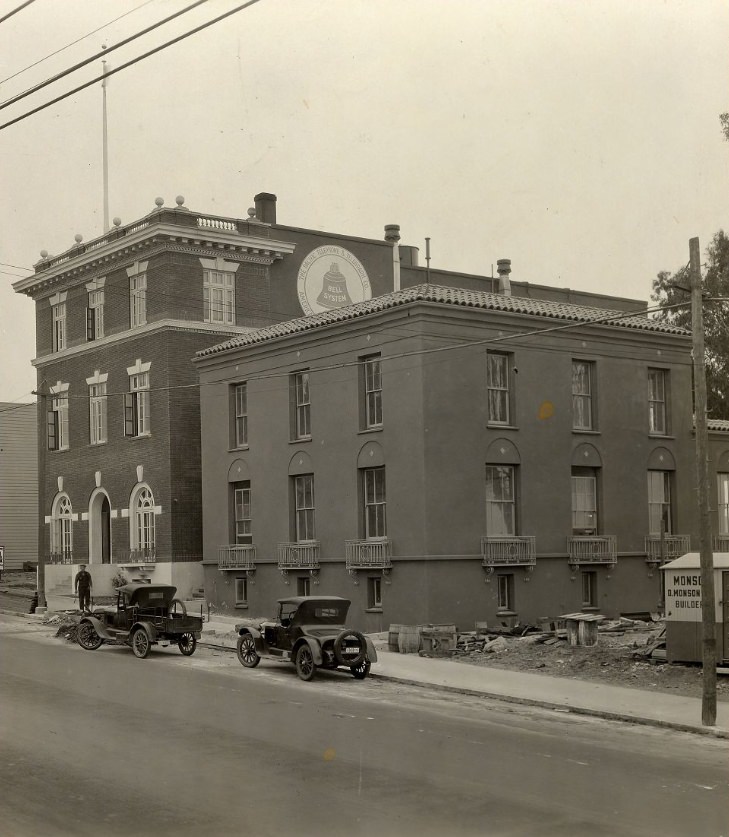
[(361, 671), (350, 662), (87, 637), (187, 644), (141, 643), (246, 650), (305, 666)]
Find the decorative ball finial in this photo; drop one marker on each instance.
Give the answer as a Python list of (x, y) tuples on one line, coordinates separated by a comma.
[(79, 238), (251, 211), (44, 254), (160, 202), (179, 200), (117, 221)]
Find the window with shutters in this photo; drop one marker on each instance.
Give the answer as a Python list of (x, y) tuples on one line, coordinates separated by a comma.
[(95, 315), (97, 413), (136, 406), (59, 327), (57, 420)]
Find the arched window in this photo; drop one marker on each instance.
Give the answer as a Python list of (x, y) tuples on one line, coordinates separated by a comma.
[(142, 514), (62, 530)]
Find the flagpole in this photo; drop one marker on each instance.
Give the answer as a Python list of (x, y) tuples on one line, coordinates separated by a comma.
[(105, 152)]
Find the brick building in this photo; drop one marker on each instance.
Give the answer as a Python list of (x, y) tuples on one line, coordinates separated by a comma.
[(443, 455)]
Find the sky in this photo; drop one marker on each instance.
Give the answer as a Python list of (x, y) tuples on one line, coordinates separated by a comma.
[(579, 139)]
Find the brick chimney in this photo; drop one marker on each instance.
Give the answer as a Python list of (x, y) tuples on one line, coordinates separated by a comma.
[(503, 267), (265, 207)]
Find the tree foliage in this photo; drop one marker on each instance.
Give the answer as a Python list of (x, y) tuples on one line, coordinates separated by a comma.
[(716, 317), (724, 119)]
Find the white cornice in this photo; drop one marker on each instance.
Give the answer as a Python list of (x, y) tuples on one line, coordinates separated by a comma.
[(143, 331), (161, 236)]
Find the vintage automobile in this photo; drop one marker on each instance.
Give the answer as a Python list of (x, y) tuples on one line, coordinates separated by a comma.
[(310, 632), (144, 615)]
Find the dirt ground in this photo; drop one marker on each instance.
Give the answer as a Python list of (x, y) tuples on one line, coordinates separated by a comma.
[(613, 660)]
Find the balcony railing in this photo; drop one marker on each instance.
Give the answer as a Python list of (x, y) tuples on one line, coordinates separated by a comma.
[(673, 547), (136, 556), (721, 543), (509, 550), (363, 555), (593, 549), (295, 556), (64, 556), (237, 557)]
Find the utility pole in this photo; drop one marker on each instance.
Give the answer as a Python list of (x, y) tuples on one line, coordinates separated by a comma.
[(708, 614), (105, 150)]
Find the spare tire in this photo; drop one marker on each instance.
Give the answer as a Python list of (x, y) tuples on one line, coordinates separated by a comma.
[(343, 649)]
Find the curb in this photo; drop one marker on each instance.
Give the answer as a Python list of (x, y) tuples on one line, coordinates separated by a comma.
[(572, 710)]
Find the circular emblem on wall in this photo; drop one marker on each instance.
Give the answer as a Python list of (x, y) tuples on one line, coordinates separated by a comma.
[(331, 277)]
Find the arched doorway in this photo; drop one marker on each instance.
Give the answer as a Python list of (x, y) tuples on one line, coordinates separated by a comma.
[(99, 528)]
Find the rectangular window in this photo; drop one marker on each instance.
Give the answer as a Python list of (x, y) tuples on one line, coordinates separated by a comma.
[(219, 296), (95, 315), (57, 423), (584, 503), (582, 404), (138, 299), (59, 327), (97, 413), (304, 507), (659, 502), (505, 592), (303, 585), (372, 382), (723, 505), (241, 592), (375, 503), (657, 403), (302, 405), (500, 500), (374, 593), (240, 415), (242, 507), (136, 406), (589, 588), (499, 394)]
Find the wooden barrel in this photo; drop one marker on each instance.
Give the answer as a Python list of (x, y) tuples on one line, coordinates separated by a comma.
[(393, 637), (409, 639)]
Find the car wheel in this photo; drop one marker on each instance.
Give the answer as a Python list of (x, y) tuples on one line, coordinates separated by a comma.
[(87, 637), (140, 643), (305, 662), (361, 671), (246, 650), (344, 641), (187, 644)]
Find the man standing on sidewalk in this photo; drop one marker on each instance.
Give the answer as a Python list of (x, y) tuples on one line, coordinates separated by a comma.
[(82, 587)]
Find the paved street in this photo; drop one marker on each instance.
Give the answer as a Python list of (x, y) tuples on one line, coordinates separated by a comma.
[(103, 743)]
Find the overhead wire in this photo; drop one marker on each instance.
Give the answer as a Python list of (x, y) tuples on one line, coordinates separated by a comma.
[(15, 11), (136, 60), (73, 43), (36, 87)]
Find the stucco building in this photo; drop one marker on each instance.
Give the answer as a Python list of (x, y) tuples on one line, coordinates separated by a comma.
[(443, 455)]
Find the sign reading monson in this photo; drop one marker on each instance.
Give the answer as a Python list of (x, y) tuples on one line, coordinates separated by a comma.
[(331, 277), (683, 595)]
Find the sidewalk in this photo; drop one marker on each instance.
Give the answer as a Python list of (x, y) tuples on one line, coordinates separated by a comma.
[(560, 693)]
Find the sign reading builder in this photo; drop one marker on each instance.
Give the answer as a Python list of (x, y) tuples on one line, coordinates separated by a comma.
[(683, 595), (331, 277)]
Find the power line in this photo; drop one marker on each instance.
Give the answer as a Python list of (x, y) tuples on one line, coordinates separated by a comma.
[(112, 72), (15, 11), (73, 43), (36, 87)]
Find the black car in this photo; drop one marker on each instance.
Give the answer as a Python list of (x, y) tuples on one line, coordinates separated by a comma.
[(144, 615), (311, 633)]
